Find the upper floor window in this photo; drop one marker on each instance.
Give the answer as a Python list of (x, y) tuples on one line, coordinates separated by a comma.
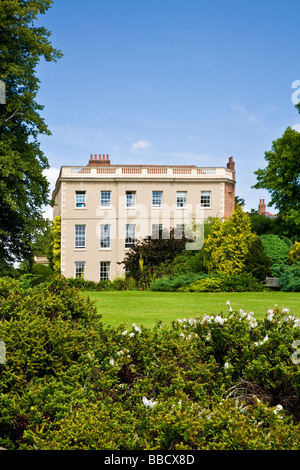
[(105, 236), (205, 198), (105, 199), (157, 198), (130, 237), (130, 198), (181, 198), (79, 236), (80, 199)]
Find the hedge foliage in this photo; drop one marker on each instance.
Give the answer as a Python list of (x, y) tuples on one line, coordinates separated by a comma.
[(225, 381)]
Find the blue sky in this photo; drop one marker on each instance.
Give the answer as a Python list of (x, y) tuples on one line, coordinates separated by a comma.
[(171, 82)]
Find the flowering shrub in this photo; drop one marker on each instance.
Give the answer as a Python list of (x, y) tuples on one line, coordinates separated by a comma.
[(224, 381)]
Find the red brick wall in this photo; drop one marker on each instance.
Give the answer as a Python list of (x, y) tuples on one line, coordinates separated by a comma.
[(229, 203)]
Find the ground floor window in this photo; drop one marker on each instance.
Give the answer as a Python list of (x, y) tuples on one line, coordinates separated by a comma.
[(157, 230), (104, 270), (80, 269), (130, 237)]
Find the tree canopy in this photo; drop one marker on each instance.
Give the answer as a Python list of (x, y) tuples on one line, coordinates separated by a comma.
[(281, 178), (228, 243), (23, 187)]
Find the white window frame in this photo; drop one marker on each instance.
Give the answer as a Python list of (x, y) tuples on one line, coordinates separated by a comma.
[(180, 230), (205, 199), (80, 203), (130, 238), (130, 199), (181, 199), (79, 265), (80, 235), (105, 272), (105, 241), (105, 202), (157, 198), (156, 231)]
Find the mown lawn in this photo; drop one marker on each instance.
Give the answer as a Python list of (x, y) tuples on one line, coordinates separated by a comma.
[(147, 307)]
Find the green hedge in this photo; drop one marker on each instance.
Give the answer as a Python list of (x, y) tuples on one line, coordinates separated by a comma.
[(226, 381), (221, 283), (172, 283)]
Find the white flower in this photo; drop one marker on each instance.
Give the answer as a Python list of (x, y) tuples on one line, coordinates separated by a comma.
[(131, 335), (226, 365), (270, 315), (208, 337), (262, 342), (148, 403), (112, 362), (136, 328), (297, 322), (219, 319), (286, 310), (124, 332), (277, 409), (206, 319), (228, 302), (252, 323)]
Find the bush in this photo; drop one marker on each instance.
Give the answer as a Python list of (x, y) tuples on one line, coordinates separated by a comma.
[(294, 253), (225, 381), (276, 249), (117, 284), (172, 283), (257, 262), (221, 283), (289, 279)]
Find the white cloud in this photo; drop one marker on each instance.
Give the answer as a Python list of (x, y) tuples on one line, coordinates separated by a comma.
[(51, 175), (296, 127), (141, 144)]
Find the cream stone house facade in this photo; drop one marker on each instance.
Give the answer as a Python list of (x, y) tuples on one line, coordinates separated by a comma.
[(105, 208)]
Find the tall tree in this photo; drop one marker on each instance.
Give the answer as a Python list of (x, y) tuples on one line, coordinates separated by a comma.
[(228, 243), (281, 178), (23, 187)]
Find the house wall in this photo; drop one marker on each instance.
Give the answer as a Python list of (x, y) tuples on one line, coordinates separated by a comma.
[(117, 216)]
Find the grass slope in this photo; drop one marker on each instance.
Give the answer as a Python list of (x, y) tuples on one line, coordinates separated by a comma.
[(147, 307)]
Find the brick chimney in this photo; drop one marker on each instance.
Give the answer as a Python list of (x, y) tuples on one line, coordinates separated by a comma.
[(231, 166), (99, 160), (262, 207)]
